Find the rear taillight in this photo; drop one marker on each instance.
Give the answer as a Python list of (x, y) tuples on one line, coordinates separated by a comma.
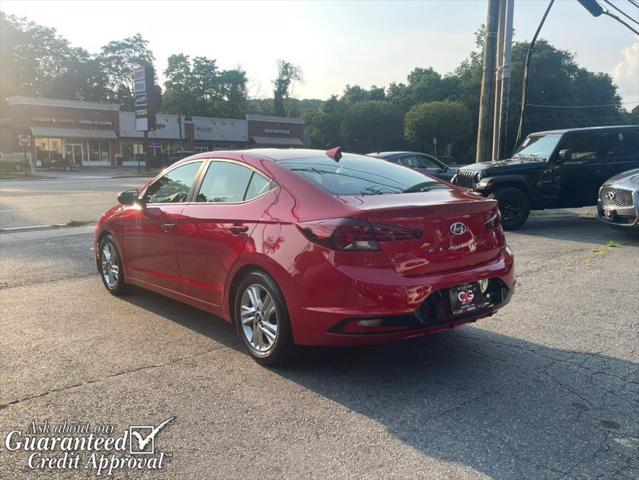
[(349, 234), (494, 221)]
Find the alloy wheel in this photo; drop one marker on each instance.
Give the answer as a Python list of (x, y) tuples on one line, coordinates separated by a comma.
[(110, 266), (259, 318)]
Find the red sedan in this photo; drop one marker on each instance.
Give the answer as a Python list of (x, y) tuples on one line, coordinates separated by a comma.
[(307, 247)]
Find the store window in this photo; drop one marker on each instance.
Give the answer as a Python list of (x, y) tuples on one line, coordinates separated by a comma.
[(48, 149), (42, 149), (99, 151), (130, 151)]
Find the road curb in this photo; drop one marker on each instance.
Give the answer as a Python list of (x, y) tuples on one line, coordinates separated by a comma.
[(32, 228)]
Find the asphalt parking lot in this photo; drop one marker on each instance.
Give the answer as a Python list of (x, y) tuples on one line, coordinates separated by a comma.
[(546, 389)]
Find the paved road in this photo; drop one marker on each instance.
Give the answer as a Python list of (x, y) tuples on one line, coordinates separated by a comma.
[(80, 196), (546, 389)]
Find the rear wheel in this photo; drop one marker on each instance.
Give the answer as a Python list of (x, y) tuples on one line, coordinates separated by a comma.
[(261, 320), (110, 266), (514, 206)]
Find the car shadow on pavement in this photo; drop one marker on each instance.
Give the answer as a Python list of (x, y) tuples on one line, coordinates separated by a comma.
[(195, 319), (502, 406), (499, 405), (578, 229)]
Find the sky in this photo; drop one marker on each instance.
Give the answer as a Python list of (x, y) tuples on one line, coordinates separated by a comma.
[(336, 43)]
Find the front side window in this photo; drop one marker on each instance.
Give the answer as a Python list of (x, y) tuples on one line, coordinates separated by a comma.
[(174, 187), (224, 182), (360, 175), (537, 147)]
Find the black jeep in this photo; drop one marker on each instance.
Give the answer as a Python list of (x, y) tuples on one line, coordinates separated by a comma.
[(554, 169)]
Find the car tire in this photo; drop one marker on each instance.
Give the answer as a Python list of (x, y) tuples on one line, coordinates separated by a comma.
[(514, 206), (261, 320), (111, 267)]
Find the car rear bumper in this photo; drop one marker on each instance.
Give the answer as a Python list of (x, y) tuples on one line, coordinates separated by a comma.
[(408, 306)]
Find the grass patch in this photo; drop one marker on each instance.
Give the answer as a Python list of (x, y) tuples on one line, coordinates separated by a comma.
[(604, 249), (143, 174), (78, 223), (15, 176)]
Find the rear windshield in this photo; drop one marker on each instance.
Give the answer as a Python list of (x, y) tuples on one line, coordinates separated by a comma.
[(360, 175)]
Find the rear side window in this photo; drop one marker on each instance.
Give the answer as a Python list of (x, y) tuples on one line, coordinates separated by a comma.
[(417, 161), (258, 185), (622, 144), (227, 182), (359, 175), (583, 146), (174, 187)]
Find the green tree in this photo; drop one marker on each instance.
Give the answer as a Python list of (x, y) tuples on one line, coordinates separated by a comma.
[(118, 60), (233, 91), (423, 85), (448, 122), (324, 124), (178, 86), (372, 125), (36, 61), (287, 73), (355, 94), (198, 87)]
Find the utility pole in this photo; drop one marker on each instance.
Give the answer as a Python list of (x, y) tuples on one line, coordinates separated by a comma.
[(484, 150), (502, 76), (524, 81)]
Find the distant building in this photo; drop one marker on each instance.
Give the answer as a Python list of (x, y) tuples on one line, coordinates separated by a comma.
[(85, 134)]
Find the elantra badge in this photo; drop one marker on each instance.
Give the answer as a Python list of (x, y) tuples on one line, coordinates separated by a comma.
[(458, 228)]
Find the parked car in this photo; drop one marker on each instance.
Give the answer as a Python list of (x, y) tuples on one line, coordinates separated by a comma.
[(618, 203), (419, 161), (554, 169), (307, 247)]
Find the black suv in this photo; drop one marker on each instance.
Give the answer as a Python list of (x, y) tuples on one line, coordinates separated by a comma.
[(554, 169)]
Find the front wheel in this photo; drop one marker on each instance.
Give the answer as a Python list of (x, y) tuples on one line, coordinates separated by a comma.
[(110, 266), (261, 320), (514, 206)]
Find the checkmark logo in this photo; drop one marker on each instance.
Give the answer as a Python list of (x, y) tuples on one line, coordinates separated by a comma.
[(142, 437)]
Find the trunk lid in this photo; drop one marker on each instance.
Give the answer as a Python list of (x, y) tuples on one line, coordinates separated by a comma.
[(453, 226)]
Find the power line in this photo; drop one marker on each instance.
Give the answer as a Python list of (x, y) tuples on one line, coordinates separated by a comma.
[(612, 15), (580, 106), (621, 11), (633, 2)]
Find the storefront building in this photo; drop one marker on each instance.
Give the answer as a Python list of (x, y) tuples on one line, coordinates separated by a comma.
[(279, 132), (64, 132), (73, 133), (169, 139), (219, 134)]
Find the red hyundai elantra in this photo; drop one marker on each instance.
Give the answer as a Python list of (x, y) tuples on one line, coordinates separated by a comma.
[(307, 247)]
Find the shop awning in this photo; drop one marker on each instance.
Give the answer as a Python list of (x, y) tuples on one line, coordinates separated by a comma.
[(283, 142), (64, 132)]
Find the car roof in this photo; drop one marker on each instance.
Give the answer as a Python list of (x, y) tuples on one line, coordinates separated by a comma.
[(399, 152), (586, 129)]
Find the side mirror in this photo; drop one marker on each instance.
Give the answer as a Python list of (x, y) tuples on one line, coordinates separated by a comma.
[(565, 155), (128, 197)]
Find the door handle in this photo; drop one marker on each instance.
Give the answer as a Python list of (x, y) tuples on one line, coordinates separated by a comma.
[(167, 227), (238, 229)]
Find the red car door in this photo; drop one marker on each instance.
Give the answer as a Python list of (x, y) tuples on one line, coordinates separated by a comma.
[(150, 231), (214, 230)]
